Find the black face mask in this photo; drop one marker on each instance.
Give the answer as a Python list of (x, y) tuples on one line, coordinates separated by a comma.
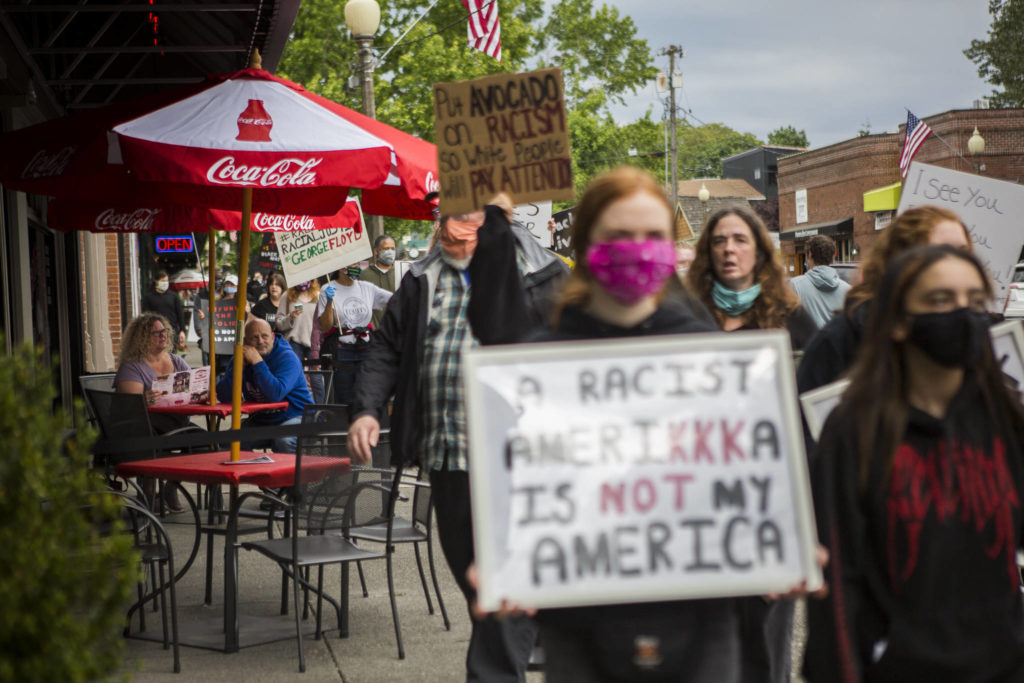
[(954, 339)]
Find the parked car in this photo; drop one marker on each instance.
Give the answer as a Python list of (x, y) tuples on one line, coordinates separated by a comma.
[(850, 272), (1015, 298)]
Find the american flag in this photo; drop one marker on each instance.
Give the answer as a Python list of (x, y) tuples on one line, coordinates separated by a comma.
[(917, 132), (484, 31)]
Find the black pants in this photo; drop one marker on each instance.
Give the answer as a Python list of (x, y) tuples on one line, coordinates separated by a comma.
[(766, 634), (499, 650)]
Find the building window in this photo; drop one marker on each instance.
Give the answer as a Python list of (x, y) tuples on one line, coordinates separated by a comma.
[(757, 174), (844, 249)]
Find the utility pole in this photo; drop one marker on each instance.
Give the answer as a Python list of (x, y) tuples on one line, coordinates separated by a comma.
[(672, 51)]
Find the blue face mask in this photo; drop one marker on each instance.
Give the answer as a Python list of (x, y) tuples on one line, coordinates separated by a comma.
[(733, 302), (230, 290)]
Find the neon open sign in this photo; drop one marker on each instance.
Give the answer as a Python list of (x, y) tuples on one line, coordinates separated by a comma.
[(172, 245)]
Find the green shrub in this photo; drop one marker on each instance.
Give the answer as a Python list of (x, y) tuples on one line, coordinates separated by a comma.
[(64, 584)]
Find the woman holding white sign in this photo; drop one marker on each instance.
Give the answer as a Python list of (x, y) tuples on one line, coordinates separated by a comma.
[(918, 479), (625, 253)]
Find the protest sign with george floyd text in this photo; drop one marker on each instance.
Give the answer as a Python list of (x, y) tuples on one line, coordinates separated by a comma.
[(637, 470), (505, 133)]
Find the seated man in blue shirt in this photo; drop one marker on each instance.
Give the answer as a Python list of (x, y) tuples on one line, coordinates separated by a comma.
[(272, 373)]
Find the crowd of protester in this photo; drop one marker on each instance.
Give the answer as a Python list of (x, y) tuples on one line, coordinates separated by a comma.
[(917, 474)]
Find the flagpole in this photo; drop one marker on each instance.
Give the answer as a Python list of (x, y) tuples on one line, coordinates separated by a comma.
[(404, 34), (940, 139)]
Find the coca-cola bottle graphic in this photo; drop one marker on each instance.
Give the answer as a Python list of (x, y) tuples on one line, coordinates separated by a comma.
[(254, 123)]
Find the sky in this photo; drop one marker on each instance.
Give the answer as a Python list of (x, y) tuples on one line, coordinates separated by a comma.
[(822, 66)]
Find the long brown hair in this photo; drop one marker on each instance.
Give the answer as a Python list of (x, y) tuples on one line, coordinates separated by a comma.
[(776, 301), (877, 398), (912, 228), (604, 190), (314, 292)]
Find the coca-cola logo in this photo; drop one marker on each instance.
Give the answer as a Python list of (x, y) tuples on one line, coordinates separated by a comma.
[(138, 220), (283, 173), (270, 222), (48, 164), (433, 185)]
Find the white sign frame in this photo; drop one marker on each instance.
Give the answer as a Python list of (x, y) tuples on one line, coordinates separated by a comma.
[(994, 223), (491, 503), (819, 403), (1008, 338)]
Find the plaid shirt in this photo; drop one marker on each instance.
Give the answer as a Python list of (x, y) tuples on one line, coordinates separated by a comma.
[(444, 418)]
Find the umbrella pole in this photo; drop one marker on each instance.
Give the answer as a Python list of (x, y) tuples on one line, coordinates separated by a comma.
[(211, 243), (243, 270)]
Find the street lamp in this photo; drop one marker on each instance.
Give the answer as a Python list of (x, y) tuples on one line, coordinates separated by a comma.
[(703, 195), (363, 18), (976, 146)]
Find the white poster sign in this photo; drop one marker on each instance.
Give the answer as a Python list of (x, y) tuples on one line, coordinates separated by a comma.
[(1008, 347), (819, 403), (534, 217), (991, 209), (801, 206), (308, 254), (636, 470)]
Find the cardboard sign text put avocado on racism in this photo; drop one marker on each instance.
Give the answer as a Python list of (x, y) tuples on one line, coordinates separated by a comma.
[(635, 470), (502, 133)]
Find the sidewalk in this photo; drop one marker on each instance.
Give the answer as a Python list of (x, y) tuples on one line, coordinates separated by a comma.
[(368, 655)]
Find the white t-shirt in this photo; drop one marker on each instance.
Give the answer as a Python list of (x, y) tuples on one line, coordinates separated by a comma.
[(354, 305)]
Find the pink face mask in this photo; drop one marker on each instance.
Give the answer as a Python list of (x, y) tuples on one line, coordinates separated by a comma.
[(630, 271)]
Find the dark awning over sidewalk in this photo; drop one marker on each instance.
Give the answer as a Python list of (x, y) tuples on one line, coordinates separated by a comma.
[(841, 227)]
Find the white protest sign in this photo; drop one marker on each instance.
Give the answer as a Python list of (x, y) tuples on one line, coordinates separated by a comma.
[(991, 209), (636, 470), (534, 217), (308, 254)]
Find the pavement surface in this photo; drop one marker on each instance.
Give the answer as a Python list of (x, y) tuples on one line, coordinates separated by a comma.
[(367, 655)]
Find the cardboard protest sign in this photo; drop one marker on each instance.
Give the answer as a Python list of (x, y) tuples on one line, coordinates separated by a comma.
[(308, 254), (990, 208), (534, 217), (636, 470), (223, 325), (502, 133), (561, 241)]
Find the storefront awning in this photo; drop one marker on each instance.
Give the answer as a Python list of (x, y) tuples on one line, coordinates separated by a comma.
[(841, 227), (882, 198)]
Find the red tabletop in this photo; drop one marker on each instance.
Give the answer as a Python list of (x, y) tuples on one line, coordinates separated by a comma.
[(219, 410), (206, 468)]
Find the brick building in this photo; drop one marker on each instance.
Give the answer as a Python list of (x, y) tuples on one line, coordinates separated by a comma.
[(850, 190)]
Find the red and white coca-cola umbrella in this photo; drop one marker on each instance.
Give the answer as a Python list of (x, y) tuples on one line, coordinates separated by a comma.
[(71, 215)]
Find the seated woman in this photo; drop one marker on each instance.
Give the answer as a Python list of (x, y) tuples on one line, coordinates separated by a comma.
[(145, 356), (917, 483)]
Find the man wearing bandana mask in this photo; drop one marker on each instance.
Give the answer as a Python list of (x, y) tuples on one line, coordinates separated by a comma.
[(416, 356), (381, 271)]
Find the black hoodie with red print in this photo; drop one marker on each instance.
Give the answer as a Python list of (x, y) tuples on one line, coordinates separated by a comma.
[(923, 578)]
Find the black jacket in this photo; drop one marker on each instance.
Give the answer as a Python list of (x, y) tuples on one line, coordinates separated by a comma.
[(832, 350), (498, 299), (692, 626), (923, 583), (169, 306)]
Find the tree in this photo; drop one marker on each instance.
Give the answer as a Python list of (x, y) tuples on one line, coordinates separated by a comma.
[(702, 148), (788, 136), (597, 49), (1000, 59)]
